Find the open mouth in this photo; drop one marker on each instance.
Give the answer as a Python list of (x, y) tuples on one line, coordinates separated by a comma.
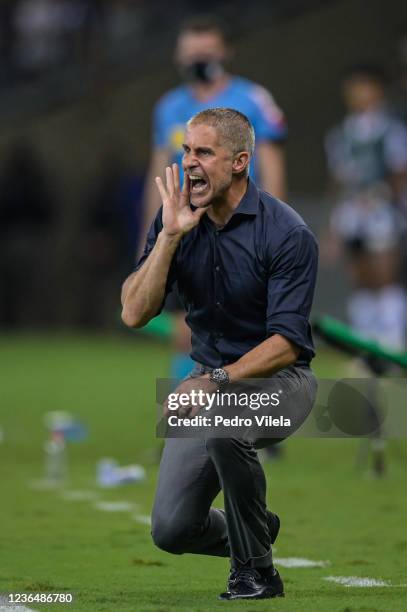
[(198, 183)]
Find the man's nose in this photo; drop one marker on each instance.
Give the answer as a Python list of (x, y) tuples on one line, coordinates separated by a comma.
[(189, 161)]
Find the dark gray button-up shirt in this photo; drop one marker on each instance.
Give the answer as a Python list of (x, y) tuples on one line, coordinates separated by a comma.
[(243, 283)]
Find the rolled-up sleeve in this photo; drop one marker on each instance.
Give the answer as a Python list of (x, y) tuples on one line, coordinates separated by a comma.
[(291, 285)]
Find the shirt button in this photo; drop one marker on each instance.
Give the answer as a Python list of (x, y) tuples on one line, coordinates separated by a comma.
[(216, 232), (217, 268), (218, 304)]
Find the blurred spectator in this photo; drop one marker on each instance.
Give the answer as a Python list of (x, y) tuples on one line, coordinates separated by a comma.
[(39, 36), (367, 160), (369, 228), (109, 240), (369, 145), (400, 105), (46, 33), (27, 213)]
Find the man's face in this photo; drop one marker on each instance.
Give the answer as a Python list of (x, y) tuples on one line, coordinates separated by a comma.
[(362, 94), (208, 163), (200, 47)]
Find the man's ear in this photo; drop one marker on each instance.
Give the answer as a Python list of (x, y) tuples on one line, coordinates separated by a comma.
[(240, 162)]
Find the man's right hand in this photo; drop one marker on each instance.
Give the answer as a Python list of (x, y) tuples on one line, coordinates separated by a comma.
[(178, 218)]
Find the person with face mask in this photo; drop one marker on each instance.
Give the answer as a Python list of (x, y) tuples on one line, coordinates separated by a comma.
[(201, 55)]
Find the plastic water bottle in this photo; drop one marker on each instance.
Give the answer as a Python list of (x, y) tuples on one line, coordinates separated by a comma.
[(56, 466), (72, 429)]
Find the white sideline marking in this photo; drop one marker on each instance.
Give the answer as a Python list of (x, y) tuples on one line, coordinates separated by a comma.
[(144, 519), (298, 562), (117, 506), (44, 484), (355, 581), (80, 495)]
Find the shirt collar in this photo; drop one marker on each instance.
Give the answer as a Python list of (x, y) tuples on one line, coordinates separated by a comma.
[(249, 204)]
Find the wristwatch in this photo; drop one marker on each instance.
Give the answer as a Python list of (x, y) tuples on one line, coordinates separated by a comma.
[(219, 376)]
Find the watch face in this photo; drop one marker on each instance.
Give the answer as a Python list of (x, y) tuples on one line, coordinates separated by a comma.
[(220, 376)]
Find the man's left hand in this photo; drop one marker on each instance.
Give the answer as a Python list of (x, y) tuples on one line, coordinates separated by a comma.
[(196, 389)]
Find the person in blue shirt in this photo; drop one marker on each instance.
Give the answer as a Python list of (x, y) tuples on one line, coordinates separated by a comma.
[(201, 53), (245, 264)]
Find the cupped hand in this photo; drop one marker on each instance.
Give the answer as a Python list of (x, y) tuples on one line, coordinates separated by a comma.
[(178, 218)]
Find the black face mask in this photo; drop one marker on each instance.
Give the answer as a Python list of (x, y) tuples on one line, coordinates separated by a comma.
[(202, 71)]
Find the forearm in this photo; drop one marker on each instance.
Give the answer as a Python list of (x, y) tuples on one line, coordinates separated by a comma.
[(271, 355), (143, 292)]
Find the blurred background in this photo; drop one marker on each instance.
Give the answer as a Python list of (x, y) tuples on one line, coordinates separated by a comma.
[(79, 86)]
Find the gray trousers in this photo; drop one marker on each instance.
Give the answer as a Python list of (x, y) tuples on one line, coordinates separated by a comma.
[(194, 470)]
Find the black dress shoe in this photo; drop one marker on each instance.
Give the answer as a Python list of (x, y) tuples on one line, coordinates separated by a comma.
[(273, 523), (249, 583)]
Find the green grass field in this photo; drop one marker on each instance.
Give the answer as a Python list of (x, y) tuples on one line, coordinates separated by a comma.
[(51, 543)]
